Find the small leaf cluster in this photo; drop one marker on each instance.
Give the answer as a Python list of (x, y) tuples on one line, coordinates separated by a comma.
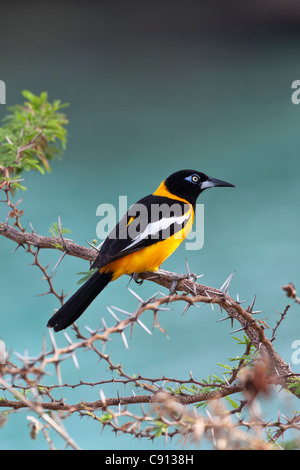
[(294, 383), (214, 382), (86, 275), (31, 135), (55, 230)]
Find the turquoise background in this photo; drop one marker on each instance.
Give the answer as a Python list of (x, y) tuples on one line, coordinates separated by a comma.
[(153, 88)]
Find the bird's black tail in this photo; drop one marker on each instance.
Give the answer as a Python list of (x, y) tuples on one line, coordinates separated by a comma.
[(79, 302)]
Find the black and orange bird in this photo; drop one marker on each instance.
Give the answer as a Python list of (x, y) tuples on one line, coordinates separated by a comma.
[(143, 239)]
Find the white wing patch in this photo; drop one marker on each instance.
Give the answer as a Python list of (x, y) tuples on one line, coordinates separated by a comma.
[(153, 229)]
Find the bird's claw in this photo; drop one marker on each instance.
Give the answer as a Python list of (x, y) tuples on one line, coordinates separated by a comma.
[(135, 277)]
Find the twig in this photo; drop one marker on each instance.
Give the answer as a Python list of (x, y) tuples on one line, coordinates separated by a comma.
[(291, 292), (39, 410)]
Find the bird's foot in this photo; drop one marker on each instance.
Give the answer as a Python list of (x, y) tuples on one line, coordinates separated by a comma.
[(136, 278)]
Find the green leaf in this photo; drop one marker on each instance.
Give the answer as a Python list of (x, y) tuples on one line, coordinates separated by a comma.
[(225, 366), (105, 418), (54, 230), (232, 402), (86, 275), (160, 429), (203, 404), (58, 246), (19, 186)]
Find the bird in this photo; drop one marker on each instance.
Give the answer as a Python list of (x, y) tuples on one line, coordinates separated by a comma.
[(143, 239)]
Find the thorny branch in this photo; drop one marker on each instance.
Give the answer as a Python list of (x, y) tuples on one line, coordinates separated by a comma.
[(192, 293), (168, 399)]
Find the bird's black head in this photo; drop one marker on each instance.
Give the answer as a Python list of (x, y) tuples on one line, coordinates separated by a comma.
[(188, 184)]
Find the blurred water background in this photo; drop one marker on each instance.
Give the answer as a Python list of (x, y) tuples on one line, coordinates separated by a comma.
[(155, 87)]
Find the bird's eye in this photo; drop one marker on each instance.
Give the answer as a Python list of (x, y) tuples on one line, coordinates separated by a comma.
[(195, 179)]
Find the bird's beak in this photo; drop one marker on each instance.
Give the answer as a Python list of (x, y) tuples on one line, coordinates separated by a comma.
[(212, 182)]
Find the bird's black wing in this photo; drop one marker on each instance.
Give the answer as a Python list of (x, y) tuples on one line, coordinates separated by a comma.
[(148, 221)]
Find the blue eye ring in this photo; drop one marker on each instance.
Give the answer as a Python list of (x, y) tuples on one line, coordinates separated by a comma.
[(193, 179)]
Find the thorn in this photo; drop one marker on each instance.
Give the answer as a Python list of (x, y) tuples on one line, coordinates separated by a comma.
[(193, 291), (196, 305), (104, 324), (150, 300), (225, 318), (194, 288), (144, 326), (92, 332), (15, 249), (131, 326), (207, 295), (43, 293), (239, 329), (135, 295), (188, 268), (18, 202), (35, 259), (276, 371), (58, 262), (155, 316), (103, 398), (278, 419), (152, 277), (211, 304), (172, 289), (224, 377), (100, 244), (215, 292), (113, 314), (119, 407), (8, 140), (32, 229), (187, 306), (57, 368), (285, 417), (124, 339), (200, 275), (93, 246), (226, 284), (73, 354), (250, 308), (121, 310), (163, 309), (60, 233)]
